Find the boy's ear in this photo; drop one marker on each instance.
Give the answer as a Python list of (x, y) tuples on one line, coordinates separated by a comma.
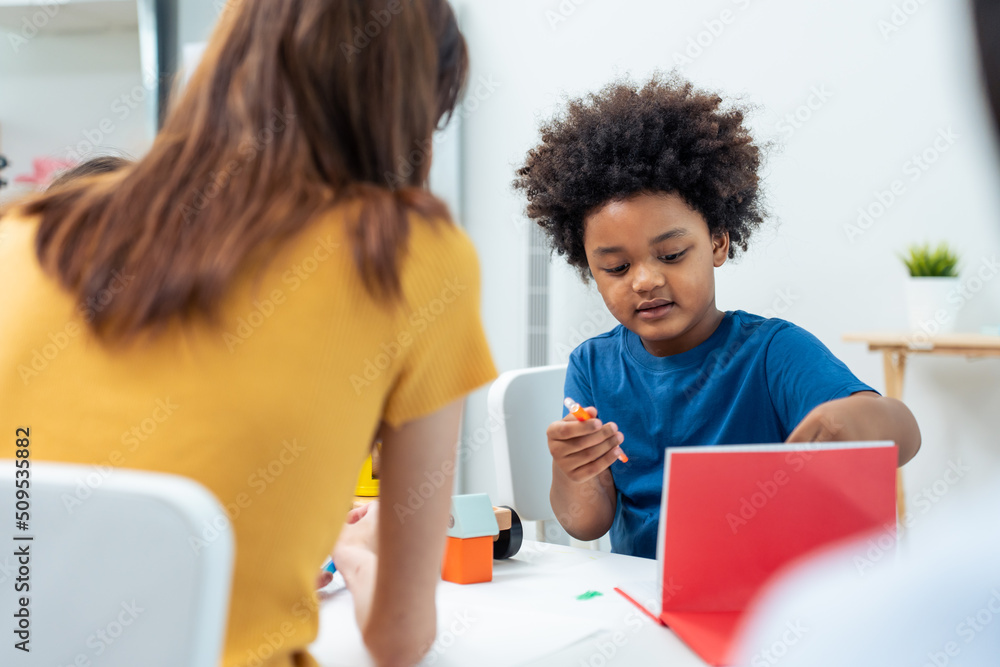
[(720, 248)]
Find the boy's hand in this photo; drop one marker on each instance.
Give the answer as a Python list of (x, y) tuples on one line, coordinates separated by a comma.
[(828, 422), (863, 415), (581, 450)]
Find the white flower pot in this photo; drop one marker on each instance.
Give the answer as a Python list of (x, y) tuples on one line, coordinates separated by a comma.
[(930, 309)]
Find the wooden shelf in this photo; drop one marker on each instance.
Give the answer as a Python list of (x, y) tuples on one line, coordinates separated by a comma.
[(968, 344)]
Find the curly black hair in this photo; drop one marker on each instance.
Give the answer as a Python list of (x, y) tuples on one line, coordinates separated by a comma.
[(665, 137)]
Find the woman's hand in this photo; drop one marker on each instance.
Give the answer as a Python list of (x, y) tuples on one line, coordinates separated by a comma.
[(356, 557), (360, 529), (363, 537)]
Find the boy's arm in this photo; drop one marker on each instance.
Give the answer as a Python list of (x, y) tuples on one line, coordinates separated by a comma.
[(583, 492), (861, 416), (585, 509)]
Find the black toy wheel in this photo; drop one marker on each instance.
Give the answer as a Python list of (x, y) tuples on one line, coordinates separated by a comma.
[(509, 542)]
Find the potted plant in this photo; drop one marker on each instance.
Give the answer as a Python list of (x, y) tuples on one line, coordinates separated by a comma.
[(933, 278)]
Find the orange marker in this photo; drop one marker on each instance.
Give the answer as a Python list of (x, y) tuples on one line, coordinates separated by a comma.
[(577, 411)]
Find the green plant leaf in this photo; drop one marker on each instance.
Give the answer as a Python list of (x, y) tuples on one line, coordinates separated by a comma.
[(924, 261)]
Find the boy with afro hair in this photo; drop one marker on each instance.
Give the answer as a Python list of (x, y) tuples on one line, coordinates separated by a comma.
[(647, 191)]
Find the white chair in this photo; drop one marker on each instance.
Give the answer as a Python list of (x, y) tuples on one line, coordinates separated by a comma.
[(125, 567), (525, 402)]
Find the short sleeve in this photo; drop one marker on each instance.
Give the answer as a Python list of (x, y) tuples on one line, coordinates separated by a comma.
[(441, 328), (577, 385), (802, 373)]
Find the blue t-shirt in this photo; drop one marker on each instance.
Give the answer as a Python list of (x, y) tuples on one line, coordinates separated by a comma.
[(752, 381)]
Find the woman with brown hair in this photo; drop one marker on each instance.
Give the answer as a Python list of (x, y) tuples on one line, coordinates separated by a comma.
[(264, 293)]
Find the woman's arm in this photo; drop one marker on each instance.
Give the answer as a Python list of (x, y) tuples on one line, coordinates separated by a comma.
[(395, 607), (861, 416)]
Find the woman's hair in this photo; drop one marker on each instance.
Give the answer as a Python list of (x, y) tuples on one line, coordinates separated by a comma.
[(297, 106), (666, 137), (987, 20), (103, 164)]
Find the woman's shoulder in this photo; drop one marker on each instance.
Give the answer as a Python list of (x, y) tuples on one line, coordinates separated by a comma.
[(17, 241), (14, 220), (441, 236), (439, 254)]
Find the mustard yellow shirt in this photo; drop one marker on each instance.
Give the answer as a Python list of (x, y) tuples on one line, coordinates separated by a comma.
[(273, 410)]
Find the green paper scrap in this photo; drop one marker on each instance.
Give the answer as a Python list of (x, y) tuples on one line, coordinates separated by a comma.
[(589, 594)]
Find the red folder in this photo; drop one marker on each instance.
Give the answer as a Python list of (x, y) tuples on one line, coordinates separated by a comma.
[(731, 516)]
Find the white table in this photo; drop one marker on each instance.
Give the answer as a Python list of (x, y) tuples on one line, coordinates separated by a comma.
[(529, 615)]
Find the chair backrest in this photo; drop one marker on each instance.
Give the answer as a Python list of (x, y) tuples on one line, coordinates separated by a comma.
[(124, 567), (526, 402)]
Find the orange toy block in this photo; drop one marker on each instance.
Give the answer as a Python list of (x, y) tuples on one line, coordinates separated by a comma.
[(469, 560)]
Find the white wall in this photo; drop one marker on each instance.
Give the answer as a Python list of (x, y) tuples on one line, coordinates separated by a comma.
[(196, 18), (887, 98), (66, 95), (70, 92)]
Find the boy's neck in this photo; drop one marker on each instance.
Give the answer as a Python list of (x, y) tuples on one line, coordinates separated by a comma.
[(690, 339)]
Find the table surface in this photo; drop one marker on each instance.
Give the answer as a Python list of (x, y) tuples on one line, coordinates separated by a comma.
[(919, 342), (529, 614)]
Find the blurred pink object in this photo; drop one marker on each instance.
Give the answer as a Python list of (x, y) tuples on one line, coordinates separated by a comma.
[(45, 170)]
